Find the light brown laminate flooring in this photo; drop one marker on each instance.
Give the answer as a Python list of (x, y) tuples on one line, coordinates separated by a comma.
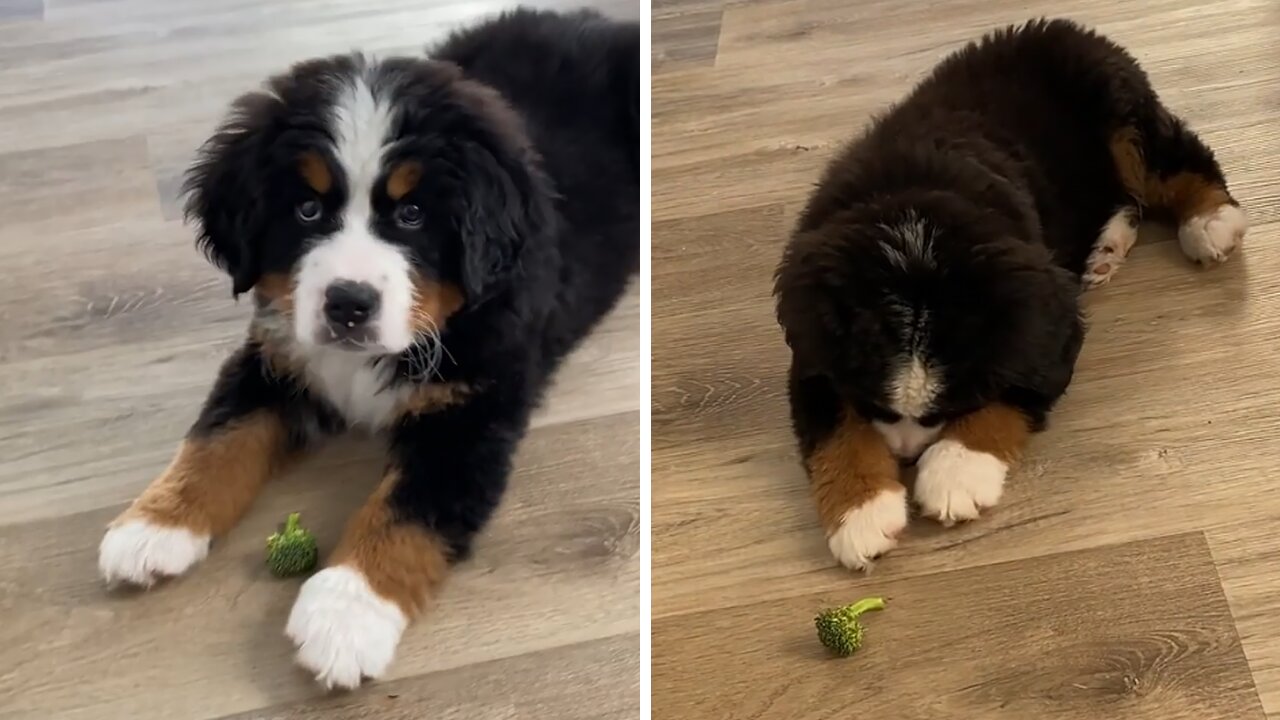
[(111, 328), (1133, 568)]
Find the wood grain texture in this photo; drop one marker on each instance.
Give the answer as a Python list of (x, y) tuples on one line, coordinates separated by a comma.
[(1170, 424), (1158, 644), (685, 32), (111, 329), (1248, 559), (211, 643), (545, 684)]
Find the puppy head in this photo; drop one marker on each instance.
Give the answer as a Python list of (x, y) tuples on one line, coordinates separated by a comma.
[(920, 313), (366, 202)]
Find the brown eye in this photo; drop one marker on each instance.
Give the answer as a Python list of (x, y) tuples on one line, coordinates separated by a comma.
[(408, 216), (309, 211)]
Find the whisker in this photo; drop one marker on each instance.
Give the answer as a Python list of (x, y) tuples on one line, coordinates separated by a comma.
[(413, 358), (417, 363), (427, 342)]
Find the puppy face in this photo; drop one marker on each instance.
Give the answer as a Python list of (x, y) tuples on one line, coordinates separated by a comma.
[(920, 314), (367, 202)]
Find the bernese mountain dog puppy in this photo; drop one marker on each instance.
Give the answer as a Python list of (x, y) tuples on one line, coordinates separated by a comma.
[(930, 291), (424, 239)]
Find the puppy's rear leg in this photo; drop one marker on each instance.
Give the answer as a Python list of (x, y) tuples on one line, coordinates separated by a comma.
[(1165, 167), (1112, 246)]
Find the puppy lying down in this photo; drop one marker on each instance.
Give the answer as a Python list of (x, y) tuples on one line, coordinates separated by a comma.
[(930, 292)]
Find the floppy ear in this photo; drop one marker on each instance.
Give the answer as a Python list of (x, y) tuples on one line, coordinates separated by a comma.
[(1048, 326), (505, 199), (506, 202), (1062, 334), (800, 308), (825, 307), (224, 190)]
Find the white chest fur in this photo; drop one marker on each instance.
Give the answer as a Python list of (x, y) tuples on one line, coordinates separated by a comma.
[(358, 390)]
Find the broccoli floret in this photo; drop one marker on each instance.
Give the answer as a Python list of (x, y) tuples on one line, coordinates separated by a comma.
[(839, 628), (292, 551)]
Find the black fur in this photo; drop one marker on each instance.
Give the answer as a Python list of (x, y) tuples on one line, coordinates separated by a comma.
[(528, 129), (1002, 158), (246, 384)]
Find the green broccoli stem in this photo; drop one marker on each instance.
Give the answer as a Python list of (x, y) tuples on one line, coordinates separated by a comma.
[(291, 524), (865, 604)]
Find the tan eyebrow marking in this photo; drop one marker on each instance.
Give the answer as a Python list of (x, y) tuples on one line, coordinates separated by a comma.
[(315, 171), (403, 178)]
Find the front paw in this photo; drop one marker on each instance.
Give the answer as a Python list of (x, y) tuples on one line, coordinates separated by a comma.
[(140, 552), (954, 483), (870, 529), (344, 631)]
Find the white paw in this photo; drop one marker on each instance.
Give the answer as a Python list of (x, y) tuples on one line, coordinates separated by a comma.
[(139, 552), (344, 630), (870, 530), (954, 483), (1110, 249), (1210, 238)]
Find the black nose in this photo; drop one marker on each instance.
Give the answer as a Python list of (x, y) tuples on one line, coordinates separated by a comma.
[(350, 304)]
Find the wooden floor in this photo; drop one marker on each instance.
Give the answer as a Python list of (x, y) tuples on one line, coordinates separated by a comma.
[(111, 327), (1133, 569)]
